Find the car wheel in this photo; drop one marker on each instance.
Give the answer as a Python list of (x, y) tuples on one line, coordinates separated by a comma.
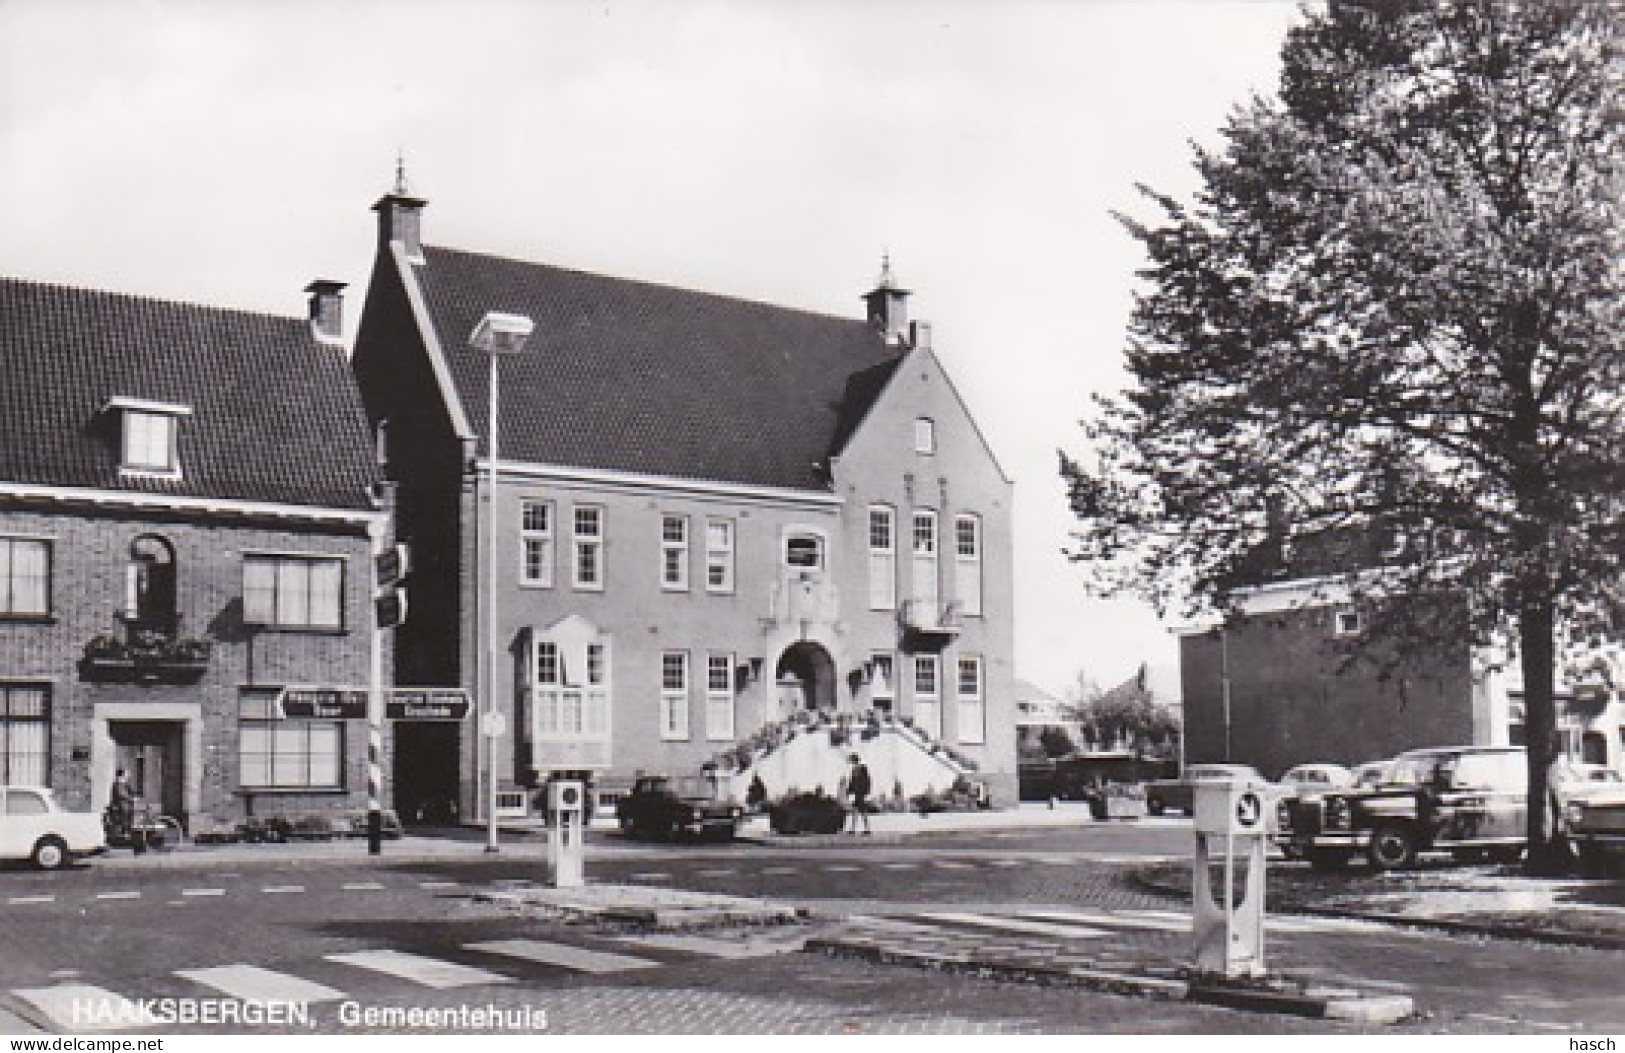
[(1392, 847), (1326, 859), (50, 853), (1154, 805)]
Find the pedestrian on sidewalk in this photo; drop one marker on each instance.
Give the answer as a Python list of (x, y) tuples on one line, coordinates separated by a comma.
[(858, 788)]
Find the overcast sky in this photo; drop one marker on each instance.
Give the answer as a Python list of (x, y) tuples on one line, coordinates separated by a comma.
[(228, 152)]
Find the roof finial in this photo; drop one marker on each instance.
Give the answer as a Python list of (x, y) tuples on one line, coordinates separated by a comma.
[(886, 279), (401, 189)]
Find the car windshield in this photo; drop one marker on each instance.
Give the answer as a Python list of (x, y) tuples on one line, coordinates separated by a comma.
[(693, 787), (1460, 770)]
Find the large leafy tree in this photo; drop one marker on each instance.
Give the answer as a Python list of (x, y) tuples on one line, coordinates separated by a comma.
[(1393, 305)]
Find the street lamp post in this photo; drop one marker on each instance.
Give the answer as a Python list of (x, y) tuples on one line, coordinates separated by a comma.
[(497, 334)]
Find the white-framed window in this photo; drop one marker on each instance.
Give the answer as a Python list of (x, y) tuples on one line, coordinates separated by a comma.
[(968, 563), (25, 734), (674, 553), (1348, 622), (719, 555), (587, 538), (882, 680), (535, 542), (674, 695), (149, 442), (804, 550), (972, 716), (882, 558), (276, 754), (924, 546), (719, 696), (927, 695), (925, 435), (25, 577), (293, 591), (569, 703)]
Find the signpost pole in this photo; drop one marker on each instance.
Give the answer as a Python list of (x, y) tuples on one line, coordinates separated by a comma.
[(375, 713)]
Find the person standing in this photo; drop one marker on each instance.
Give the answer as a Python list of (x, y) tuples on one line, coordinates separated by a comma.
[(122, 808), (858, 788)]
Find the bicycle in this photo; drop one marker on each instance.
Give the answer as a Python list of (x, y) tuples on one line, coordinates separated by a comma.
[(144, 828)]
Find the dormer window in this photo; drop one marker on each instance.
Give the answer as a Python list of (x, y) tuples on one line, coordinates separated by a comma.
[(148, 434)]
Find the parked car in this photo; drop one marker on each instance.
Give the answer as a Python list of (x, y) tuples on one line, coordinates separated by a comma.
[(34, 827), (1315, 778), (662, 806), (1577, 780), (1306, 779), (1164, 795), (1470, 801), (1370, 774), (807, 813), (1595, 826)]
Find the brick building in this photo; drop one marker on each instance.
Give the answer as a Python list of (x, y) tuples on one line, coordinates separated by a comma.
[(187, 512), (710, 515), (1292, 679)]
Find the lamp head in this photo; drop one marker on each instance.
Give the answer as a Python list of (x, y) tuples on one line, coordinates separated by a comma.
[(502, 334)]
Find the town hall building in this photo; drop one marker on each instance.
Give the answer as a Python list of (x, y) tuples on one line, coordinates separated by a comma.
[(712, 519)]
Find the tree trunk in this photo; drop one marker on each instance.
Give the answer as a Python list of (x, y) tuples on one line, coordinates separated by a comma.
[(1537, 658)]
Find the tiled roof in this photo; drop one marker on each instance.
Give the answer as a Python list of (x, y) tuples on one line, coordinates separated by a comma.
[(275, 415), (627, 376)]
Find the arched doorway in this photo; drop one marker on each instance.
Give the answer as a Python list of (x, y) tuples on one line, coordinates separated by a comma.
[(806, 678)]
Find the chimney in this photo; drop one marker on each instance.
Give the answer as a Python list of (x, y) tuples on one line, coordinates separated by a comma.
[(919, 334), (326, 310), (888, 306)]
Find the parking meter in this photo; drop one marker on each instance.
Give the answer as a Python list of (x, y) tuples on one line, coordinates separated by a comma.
[(1232, 819), (566, 833)]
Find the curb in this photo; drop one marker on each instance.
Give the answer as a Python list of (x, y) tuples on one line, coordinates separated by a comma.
[(1338, 1004), (1456, 926), (1069, 971), (660, 917), (1059, 974)]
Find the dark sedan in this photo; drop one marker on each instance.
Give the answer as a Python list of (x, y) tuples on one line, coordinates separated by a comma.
[(665, 807)]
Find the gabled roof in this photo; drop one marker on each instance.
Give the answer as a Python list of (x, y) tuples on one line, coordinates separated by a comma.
[(274, 417), (628, 376)]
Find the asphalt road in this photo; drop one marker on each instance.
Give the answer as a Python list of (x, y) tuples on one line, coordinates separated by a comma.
[(354, 935)]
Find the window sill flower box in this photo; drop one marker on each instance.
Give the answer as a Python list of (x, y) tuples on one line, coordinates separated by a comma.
[(146, 658)]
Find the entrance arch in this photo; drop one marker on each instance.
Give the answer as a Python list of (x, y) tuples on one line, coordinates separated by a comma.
[(806, 668)]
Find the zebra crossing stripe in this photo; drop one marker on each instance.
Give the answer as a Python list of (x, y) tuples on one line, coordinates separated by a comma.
[(563, 955), (1008, 924), (250, 983), (419, 969), (82, 1007), (750, 947)]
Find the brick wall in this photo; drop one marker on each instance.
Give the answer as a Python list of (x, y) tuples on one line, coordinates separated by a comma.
[(90, 553)]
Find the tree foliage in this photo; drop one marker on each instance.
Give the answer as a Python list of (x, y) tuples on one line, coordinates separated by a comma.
[(1128, 716), (1392, 310)]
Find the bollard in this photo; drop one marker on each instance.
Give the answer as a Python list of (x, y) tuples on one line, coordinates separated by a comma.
[(566, 832), (1232, 818)]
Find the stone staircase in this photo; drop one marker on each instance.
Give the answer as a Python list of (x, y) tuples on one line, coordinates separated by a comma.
[(810, 751)]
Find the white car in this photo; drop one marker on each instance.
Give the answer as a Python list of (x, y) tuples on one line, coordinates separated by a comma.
[(35, 828), (1315, 778)]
